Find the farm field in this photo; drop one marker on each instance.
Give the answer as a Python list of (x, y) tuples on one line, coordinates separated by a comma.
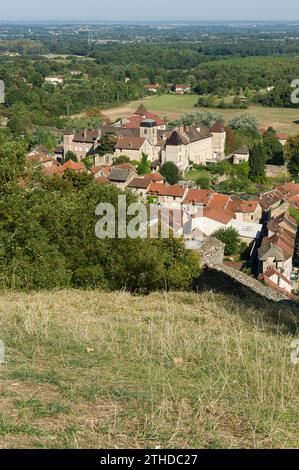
[(173, 106)]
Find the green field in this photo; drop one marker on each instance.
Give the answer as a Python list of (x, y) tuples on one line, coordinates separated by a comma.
[(87, 369), (172, 106)]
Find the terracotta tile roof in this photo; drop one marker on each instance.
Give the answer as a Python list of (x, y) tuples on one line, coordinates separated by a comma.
[(289, 189), (238, 265), (198, 196), (219, 201), (140, 114), (155, 177), (282, 136), (70, 165), (125, 166), (219, 215), (272, 271), (105, 169), (160, 189), (130, 143), (245, 207)]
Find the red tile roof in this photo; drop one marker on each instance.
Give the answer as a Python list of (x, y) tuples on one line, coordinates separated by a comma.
[(219, 201), (289, 189), (219, 215), (70, 165), (105, 169), (125, 166), (155, 177), (160, 189), (199, 196), (245, 207)]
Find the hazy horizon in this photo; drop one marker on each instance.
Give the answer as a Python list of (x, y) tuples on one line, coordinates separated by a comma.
[(133, 10)]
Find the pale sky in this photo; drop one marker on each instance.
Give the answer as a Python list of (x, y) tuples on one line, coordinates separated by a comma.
[(150, 10)]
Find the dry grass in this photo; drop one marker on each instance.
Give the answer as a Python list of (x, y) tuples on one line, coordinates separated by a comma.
[(90, 369)]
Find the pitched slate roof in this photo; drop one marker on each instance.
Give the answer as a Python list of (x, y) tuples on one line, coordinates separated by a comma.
[(139, 183), (87, 136), (176, 139), (119, 175)]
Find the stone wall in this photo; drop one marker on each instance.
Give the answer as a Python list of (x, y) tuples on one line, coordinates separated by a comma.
[(222, 278)]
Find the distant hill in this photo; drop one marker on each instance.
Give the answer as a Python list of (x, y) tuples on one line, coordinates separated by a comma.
[(91, 369)]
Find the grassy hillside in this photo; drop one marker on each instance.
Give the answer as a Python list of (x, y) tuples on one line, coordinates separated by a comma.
[(174, 106), (87, 369)]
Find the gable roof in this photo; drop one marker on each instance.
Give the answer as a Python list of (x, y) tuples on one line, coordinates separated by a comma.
[(198, 196), (105, 169), (173, 190), (269, 199), (245, 207), (176, 139), (139, 183), (141, 110), (87, 136), (219, 215), (125, 166), (289, 189), (119, 175), (219, 201), (130, 143), (70, 165)]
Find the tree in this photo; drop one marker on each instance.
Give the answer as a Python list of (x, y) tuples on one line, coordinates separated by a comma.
[(230, 237), (203, 182), (44, 138), (107, 144), (244, 121), (273, 149), (231, 141), (257, 163), (144, 166), (70, 156), (170, 172), (292, 155), (121, 159)]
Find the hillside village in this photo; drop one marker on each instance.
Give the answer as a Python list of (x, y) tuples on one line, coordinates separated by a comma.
[(263, 221)]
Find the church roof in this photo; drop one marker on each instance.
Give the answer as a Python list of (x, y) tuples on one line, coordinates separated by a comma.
[(141, 111)]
